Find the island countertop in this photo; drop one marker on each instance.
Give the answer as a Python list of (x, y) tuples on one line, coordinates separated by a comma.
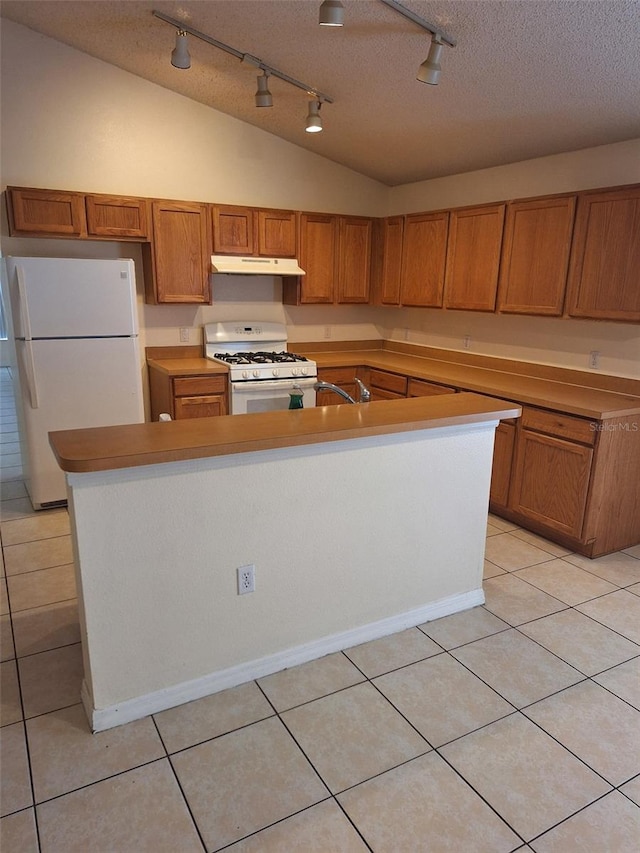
[(132, 445)]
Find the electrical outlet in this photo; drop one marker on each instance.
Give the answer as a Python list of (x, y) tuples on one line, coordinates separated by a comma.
[(594, 359), (406, 334), (184, 335), (246, 579), (327, 331), (467, 341)]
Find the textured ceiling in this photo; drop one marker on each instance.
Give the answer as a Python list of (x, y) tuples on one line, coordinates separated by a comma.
[(526, 79)]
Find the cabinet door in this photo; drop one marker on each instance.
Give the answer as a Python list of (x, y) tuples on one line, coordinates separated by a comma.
[(423, 259), (354, 259), (503, 447), (180, 255), (535, 255), (233, 230), (604, 278), (551, 481), (473, 257), (200, 407), (318, 247), (41, 213), (117, 216), (392, 233), (277, 233)]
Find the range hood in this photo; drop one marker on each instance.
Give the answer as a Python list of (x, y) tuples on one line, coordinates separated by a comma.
[(235, 265)]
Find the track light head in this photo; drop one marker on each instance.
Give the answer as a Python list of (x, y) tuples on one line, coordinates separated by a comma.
[(264, 98), (180, 57), (331, 14), (429, 71), (314, 122)]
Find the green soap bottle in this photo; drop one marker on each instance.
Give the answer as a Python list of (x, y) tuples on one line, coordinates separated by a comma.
[(295, 398)]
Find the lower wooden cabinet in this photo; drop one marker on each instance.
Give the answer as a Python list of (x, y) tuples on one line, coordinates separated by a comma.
[(387, 386), (551, 481), (503, 447), (571, 479), (343, 377), (187, 396)]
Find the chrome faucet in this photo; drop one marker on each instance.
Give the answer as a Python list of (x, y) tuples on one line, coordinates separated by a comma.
[(364, 393)]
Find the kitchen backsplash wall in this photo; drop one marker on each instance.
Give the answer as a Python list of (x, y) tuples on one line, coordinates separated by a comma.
[(542, 340)]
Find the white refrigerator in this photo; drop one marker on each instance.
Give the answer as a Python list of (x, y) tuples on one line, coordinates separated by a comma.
[(78, 359)]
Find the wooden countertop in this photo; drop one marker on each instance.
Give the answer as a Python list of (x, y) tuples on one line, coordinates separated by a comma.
[(109, 448), (188, 366), (588, 402), (561, 396)]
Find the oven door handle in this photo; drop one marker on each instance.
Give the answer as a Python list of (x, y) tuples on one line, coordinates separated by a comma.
[(283, 385)]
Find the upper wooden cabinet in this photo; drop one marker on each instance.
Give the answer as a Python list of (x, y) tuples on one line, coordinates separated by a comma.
[(535, 255), (276, 233), (177, 261), (43, 213), (117, 216), (53, 213), (473, 257), (318, 252), (233, 230), (354, 259), (424, 252), (250, 231), (604, 274), (388, 290)]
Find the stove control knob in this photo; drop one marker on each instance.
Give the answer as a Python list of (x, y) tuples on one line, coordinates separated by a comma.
[(294, 371), (304, 371), (256, 373), (245, 374), (275, 371)]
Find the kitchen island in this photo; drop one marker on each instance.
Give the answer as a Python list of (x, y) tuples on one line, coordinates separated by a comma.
[(360, 521)]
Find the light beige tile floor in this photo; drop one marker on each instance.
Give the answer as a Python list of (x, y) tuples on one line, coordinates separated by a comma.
[(509, 727)]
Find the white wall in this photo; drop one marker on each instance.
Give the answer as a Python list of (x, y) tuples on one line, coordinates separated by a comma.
[(604, 166), (400, 541), (70, 121)]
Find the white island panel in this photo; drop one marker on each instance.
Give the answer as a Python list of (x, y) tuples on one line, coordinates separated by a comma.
[(351, 540)]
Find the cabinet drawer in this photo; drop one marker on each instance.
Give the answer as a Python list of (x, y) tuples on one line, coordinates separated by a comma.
[(555, 423), (420, 388), (200, 407), (380, 394), (388, 381), (337, 375), (198, 385)]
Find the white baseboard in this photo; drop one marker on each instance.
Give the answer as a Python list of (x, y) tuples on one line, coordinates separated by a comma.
[(151, 703)]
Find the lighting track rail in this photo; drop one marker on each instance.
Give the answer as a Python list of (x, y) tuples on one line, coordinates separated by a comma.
[(183, 27), (411, 16)]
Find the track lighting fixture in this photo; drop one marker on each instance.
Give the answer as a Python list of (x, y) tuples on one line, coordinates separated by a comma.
[(180, 57), (314, 122), (264, 98), (429, 71), (331, 14)]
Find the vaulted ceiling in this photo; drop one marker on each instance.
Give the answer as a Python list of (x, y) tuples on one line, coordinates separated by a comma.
[(527, 78)]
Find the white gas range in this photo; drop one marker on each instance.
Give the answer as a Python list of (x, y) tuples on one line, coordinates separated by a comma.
[(262, 372)]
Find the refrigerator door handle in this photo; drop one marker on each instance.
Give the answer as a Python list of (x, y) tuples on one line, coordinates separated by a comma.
[(30, 369), (23, 311)]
